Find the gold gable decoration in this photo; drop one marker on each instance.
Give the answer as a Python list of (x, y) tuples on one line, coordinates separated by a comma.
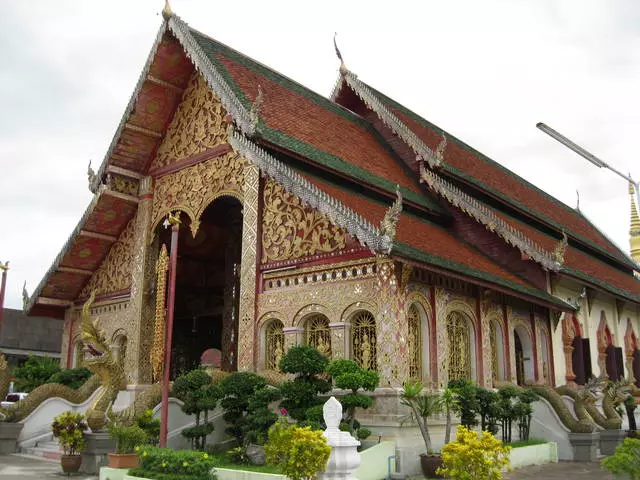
[(114, 274), (198, 124), (192, 189), (292, 229)]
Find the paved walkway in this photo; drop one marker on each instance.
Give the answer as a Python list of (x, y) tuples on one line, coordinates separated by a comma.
[(561, 471), (19, 467)]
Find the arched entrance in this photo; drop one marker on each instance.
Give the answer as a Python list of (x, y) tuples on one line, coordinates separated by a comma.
[(523, 348), (207, 286)]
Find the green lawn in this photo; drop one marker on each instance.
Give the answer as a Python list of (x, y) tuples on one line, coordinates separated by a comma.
[(222, 461)]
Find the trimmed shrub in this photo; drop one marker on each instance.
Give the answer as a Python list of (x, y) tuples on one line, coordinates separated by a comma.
[(626, 459), (68, 428), (166, 464), (71, 377), (127, 438), (150, 425)]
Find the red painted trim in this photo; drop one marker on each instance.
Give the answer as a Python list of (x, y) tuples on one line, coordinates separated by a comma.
[(69, 342), (214, 152), (481, 283), (534, 340), (479, 362), (321, 259), (507, 341), (433, 339), (146, 196)]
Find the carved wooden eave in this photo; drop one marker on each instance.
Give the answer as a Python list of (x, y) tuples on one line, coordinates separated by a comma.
[(489, 219), (341, 215), (104, 219), (422, 151), (591, 297), (175, 26)]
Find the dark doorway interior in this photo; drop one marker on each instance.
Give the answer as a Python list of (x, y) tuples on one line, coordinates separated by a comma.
[(207, 287), (519, 359)]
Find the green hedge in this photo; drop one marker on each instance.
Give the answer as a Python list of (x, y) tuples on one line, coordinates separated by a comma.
[(166, 464)]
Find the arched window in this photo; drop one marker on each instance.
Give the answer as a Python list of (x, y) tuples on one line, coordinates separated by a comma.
[(497, 352), (120, 347), (460, 346), (274, 345), (415, 343), (363, 340), (317, 333)]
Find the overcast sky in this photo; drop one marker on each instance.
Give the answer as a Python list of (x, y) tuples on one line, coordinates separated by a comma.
[(486, 72)]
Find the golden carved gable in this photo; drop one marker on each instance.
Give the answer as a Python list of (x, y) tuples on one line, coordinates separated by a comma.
[(197, 125), (292, 229), (114, 273), (193, 188)]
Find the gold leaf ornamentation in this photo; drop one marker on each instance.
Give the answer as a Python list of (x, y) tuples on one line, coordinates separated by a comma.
[(197, 125), (157, 350), (292, 229), (114, 273), (192, 189)]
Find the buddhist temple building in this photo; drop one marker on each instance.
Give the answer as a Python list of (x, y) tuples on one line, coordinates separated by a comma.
[(348, 223)]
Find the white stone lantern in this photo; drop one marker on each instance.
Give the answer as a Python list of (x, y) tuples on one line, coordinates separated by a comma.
[(344, 458)]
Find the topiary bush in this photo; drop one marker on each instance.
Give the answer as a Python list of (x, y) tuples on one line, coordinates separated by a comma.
[(300, 394), (348, 375), (299, 452), (150, 426), (71, 377), (199, 397), (166, 464), (474, 456)]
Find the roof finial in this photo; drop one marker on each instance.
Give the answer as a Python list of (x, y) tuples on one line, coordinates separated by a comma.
[(577, 199), (25, 297), (561, 248), (343, 68), (166, 11), (254, 113), (391, 217)]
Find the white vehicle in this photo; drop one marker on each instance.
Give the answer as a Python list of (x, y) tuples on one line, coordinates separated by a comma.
[(13, 398)]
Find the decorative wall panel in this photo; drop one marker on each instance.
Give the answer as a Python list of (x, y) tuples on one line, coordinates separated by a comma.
[(292, 229), (198, 124), (114, 274)]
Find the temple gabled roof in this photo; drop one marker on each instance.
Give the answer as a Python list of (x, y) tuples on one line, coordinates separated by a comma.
[(294, 124)]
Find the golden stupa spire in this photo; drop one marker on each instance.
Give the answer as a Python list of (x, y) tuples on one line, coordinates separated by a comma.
[(634, 231)]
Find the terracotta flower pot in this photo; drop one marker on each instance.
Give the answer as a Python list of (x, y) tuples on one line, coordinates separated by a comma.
[(124, 460), (70, 463), (429, 464)]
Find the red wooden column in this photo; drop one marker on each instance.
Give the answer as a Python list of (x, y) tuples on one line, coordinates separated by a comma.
[(4, 269), (174, 221)]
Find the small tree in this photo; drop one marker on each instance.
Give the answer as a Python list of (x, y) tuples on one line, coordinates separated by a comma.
[(300, 452), (523, 411), (199, 397), (422, 407), (34, 372), (348, 375), (506, 411), (450, 405), (466, 401), (487, 400), (307, 364), (630, 405)]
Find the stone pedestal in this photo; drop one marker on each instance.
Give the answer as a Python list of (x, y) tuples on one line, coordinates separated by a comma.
[(9, 433), (609, 440), (344, 458), (585, 446), (95, 453)]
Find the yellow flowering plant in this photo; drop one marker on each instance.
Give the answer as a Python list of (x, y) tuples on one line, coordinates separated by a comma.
[(474, 456), (300, 452), (168, 464)]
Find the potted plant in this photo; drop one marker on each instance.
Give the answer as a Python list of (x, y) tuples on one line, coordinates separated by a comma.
[(626, 459), (127, 438), (423, 406), (69, 428)]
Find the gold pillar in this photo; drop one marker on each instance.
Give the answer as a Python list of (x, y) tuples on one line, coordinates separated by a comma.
[(247, 326), (337, 339), (137, 365), (391, 327)]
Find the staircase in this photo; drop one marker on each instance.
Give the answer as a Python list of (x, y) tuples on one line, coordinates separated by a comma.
[(46, 448)]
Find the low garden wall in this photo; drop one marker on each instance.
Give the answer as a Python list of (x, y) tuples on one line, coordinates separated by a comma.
[(534, 455), (375, 461)]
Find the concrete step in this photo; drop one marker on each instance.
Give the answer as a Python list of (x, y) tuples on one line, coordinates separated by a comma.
[(47, 449)]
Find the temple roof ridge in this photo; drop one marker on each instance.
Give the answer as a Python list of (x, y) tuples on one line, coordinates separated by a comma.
[(479, 212)]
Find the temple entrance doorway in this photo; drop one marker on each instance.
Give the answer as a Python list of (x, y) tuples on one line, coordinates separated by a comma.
[(207, 287), (524, 355)]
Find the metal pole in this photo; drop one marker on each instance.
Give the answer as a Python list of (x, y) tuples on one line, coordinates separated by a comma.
[(173, 262), (588, 156), (4, 269)]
